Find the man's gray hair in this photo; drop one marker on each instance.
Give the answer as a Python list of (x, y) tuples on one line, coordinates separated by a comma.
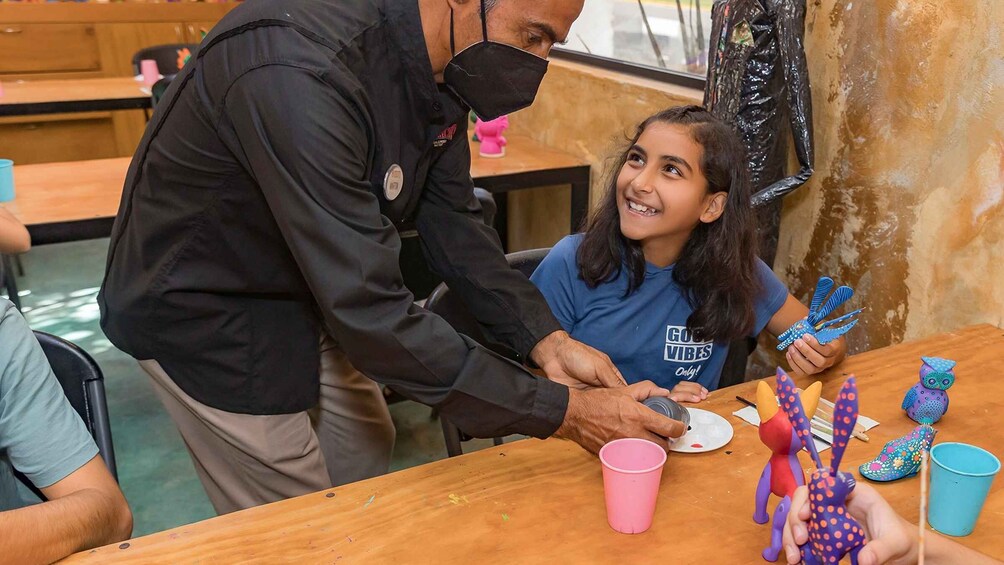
[(489, 4)]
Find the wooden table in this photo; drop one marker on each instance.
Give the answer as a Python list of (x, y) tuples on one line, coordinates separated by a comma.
[(542, 501), (73, 95), (68, 201), (79, 200), (528, 164)]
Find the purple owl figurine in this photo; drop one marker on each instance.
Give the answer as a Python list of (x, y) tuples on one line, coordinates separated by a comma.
[(833, 533), (927, 401)]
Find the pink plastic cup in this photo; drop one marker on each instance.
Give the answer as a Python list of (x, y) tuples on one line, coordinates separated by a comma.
[(151, 74), (632, 470)]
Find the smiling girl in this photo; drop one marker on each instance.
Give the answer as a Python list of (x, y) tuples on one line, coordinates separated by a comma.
[(666, 273)]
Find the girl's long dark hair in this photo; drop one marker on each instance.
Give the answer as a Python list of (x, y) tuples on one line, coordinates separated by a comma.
[(717, 267)]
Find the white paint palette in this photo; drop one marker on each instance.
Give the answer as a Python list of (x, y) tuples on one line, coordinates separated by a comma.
[(708, 432)]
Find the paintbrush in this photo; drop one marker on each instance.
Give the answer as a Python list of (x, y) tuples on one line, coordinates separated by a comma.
[(825, 412), (753, 405), (824, 415), (822, 426)]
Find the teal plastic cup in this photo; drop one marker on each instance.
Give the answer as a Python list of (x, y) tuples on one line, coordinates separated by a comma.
[(6, 180), (961, 475)]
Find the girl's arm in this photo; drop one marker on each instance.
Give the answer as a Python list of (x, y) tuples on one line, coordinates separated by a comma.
[(14, 236), (806, 356)]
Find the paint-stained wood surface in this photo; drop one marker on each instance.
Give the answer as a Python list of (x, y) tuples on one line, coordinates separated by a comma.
[(542, 501)]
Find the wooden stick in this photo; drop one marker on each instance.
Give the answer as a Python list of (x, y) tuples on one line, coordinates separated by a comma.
[(753, 405), (827, 414), (921, 523), (817, 428), (822, 422), (821, 426)]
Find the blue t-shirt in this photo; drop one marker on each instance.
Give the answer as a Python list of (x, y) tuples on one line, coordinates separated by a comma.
[(40, 433), (645, 334)]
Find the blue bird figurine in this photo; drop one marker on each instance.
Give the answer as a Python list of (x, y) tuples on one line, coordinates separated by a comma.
[(813, 324)]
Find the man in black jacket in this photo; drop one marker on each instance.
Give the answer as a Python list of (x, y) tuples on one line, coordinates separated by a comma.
[(259, 215)]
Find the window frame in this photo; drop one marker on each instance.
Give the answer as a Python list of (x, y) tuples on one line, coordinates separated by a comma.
[(634, 69)]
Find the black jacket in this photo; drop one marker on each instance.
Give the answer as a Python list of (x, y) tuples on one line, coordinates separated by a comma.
[(254, 214)]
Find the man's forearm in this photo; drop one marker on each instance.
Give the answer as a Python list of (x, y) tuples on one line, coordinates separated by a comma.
[(547, 347), (52, 530)]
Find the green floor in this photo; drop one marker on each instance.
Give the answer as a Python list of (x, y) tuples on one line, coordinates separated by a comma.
[(58, 292)]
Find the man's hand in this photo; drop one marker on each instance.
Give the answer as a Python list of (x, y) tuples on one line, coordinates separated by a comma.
[(575, 364), (599, 415)]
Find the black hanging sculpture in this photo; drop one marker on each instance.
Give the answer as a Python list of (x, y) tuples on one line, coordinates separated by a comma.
[(757, 76)]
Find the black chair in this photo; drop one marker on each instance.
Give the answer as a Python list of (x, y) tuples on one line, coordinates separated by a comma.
[(451, 308), (159, 88), (84, 386), (7, 280), (165, 55)]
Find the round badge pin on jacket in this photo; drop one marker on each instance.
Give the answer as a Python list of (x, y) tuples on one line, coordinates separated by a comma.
[(393, 182)]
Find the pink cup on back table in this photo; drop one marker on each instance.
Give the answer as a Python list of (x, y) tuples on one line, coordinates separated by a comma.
[(632, 471), (151, 74)]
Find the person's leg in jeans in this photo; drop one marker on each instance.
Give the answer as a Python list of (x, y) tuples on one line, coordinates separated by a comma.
[(244, 460), (352, 421)]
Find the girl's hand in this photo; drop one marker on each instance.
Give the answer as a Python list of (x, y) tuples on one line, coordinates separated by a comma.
[(891, 539), (807, 356), (686, 391)]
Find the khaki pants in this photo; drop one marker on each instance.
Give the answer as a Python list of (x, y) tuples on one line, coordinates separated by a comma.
[(245, 460)]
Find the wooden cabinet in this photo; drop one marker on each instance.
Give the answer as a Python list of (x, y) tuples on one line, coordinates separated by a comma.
[(58, 137), (78, 40), (31, 48), (119, 42)]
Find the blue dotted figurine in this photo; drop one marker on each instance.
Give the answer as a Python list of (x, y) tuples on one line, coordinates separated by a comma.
[(900, 458), (927, 401)]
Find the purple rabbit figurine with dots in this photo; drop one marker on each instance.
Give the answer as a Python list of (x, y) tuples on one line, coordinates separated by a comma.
[(833, 533)]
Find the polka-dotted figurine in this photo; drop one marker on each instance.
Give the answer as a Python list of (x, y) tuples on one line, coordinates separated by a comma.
[(833, 533), (900, 458), (783, 473), (927, 401)]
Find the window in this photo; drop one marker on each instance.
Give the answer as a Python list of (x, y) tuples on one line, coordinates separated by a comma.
[(665, 39)]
